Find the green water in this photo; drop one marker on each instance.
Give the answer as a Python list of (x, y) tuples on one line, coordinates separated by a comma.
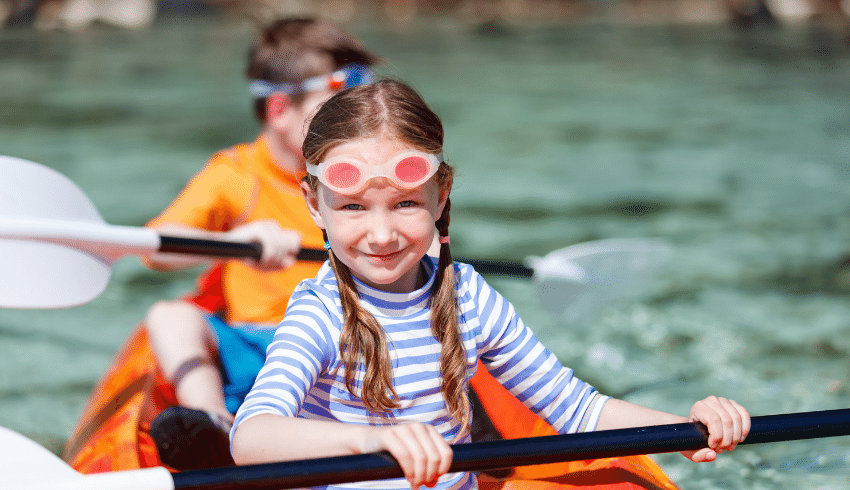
[(733, 146)]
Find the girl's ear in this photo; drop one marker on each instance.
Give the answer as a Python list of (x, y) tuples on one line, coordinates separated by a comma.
[(312, 201), (444, 197)]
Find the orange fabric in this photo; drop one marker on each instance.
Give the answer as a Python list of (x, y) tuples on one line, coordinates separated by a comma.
[(240, 185)]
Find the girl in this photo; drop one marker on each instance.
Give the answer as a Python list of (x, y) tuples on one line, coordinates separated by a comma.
[(375, 352)]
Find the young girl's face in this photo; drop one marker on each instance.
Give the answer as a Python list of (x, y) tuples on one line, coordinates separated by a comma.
[(381, 232)]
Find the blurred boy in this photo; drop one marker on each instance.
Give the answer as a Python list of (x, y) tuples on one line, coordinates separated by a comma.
[(249, 192)]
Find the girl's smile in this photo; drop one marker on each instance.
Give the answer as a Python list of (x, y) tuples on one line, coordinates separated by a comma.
[(384, 258), (382, 232)]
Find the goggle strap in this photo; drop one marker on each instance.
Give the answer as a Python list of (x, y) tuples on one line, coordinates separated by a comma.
[(347, 76), (318, 83), (261, 88)]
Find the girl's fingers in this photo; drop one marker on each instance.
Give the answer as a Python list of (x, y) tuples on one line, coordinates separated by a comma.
[(743, 418), (444, 454), (434, 457), (728, 422), (704, 455), (417, 461), (398, 449), (723, 424), (422, 453), (735, 435), (734, 431), (438, 453)]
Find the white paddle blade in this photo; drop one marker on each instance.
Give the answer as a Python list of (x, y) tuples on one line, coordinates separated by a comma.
[(48, 275), (44, 275), (26, 465), (23, 460), (31, 190), (576, 282), (56, 250)]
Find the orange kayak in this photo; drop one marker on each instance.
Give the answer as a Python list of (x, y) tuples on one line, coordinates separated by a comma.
[(112, 433)]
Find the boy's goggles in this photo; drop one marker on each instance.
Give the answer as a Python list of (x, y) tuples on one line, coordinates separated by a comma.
[(347, 76), (406, 170)]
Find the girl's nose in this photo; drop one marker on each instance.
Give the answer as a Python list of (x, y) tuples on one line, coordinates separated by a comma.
[(382, 232)]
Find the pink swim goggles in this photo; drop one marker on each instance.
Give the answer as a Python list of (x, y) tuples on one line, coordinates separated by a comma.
[(406, 169)]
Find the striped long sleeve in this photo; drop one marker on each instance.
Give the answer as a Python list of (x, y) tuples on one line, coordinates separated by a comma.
[(303, 374)]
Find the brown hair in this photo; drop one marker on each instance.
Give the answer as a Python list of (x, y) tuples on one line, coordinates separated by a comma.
[(391, 107), (293, 49)]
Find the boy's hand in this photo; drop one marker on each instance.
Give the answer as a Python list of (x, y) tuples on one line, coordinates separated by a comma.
[(420, 450), (728, 424), (280, 247)]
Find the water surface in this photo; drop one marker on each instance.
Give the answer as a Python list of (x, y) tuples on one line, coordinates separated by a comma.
[(733, 146)]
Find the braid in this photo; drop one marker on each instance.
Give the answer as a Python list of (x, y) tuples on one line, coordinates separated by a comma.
[(363, 339), (446, 330)]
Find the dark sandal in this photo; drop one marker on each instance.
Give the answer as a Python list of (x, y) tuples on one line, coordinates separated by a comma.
[(189, 439)]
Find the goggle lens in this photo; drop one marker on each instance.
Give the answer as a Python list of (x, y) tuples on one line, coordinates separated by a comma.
[(412, 170), (343, 175)]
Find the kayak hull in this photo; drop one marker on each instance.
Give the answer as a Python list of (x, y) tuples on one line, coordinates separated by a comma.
[(112, 432)]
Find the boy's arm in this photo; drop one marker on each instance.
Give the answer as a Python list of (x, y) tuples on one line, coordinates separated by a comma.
[(214, 201)]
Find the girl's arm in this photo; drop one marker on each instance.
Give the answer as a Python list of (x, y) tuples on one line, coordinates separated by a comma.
[(537, 378), (728, 422), (423, 454)]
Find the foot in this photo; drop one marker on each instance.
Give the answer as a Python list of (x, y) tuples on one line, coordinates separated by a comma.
[(189, 439)]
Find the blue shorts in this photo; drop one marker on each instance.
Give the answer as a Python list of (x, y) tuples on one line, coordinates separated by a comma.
[(242, 352)]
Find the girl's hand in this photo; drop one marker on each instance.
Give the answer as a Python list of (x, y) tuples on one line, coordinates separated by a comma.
[(420, 450), (728, 424), (280, 247)]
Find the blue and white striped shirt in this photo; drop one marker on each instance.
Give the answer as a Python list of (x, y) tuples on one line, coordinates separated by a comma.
[(300, 377)]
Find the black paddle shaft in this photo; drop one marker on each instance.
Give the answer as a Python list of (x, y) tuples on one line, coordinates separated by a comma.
[(514, 452), (197, 246), (499, 267)]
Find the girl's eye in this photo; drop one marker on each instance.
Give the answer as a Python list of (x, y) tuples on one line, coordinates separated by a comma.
[(406, 204), (353, 207)]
